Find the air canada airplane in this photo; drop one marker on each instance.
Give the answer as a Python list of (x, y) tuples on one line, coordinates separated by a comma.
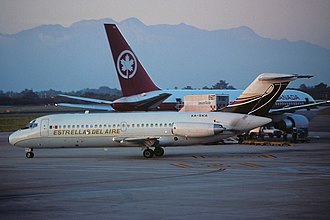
[(140, 93), (292, 109), (154, 129)]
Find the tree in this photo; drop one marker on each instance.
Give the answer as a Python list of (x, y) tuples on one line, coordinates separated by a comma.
[(29, 94), (222, 84), (303, 87), (188, 87), (320, 91)]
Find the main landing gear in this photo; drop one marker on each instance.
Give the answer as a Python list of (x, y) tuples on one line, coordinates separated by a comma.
[(29, 153), (149, 153)]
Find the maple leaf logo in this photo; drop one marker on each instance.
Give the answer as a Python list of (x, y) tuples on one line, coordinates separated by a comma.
[(126, 64)]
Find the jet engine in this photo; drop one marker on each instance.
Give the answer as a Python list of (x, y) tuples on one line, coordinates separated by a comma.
[(293, 121), (196, 129)]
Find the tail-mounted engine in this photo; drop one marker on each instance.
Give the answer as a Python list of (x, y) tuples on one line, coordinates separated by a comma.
[(196, 129)]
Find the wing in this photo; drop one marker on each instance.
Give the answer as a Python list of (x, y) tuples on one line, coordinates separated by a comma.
[(99, 101), (137, 141), (86, 106), (153, 102), (122, 104), (136, 103), (294, 108)]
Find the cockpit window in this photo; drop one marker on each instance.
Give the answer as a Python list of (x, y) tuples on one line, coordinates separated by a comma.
[(31, 124)]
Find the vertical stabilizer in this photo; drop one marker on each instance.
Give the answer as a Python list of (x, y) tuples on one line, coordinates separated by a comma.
[(261, 94), (132, 76)]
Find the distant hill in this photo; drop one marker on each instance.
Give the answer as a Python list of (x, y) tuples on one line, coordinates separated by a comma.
[(60, 58)]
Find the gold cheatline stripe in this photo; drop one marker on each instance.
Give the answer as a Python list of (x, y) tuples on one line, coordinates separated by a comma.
[(182, 165), (250, 164)]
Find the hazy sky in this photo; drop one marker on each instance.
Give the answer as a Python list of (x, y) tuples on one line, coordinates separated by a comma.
[(291, 19)]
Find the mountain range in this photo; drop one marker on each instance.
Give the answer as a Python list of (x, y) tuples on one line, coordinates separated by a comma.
[(78, 56)]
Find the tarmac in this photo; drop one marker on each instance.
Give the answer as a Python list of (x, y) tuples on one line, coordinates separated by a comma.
[(200, 182)]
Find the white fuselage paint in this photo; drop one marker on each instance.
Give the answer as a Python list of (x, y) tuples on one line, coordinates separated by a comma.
[(107, 129)]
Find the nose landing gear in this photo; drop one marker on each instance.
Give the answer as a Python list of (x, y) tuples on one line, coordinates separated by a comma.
[(29, 153)]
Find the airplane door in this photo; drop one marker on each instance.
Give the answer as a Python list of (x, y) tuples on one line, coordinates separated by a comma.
[(44, 132)]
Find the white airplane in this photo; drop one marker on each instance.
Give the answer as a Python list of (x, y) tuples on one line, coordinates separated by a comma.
[(142, 129), (153, 129)]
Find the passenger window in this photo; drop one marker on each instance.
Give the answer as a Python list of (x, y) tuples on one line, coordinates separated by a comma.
[(68, 126), (64, 126)]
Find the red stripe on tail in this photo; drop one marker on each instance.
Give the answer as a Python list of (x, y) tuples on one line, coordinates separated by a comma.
[(133, 78)]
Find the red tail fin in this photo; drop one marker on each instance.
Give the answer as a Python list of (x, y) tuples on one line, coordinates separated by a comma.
[(133, 78)]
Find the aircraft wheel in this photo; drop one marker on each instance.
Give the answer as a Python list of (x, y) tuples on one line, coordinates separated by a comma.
[(148, 153), (29, 154), (159, 151)]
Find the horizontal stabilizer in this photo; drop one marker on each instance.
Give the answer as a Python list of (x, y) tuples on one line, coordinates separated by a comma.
[(136, 103), (100, 101), (281, 77), (153, 102), (86, 106)]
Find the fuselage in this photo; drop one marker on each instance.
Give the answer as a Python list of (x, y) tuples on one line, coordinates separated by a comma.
[(113, 129), (289, 97)]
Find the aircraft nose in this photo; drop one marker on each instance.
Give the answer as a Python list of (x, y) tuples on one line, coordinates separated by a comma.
[(13, 138)]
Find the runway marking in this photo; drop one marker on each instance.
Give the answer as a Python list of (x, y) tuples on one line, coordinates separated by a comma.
[(182, 165), (250, 164), (198, 156), (267, 156), (218, 165), (235, 156), (13, 191)]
